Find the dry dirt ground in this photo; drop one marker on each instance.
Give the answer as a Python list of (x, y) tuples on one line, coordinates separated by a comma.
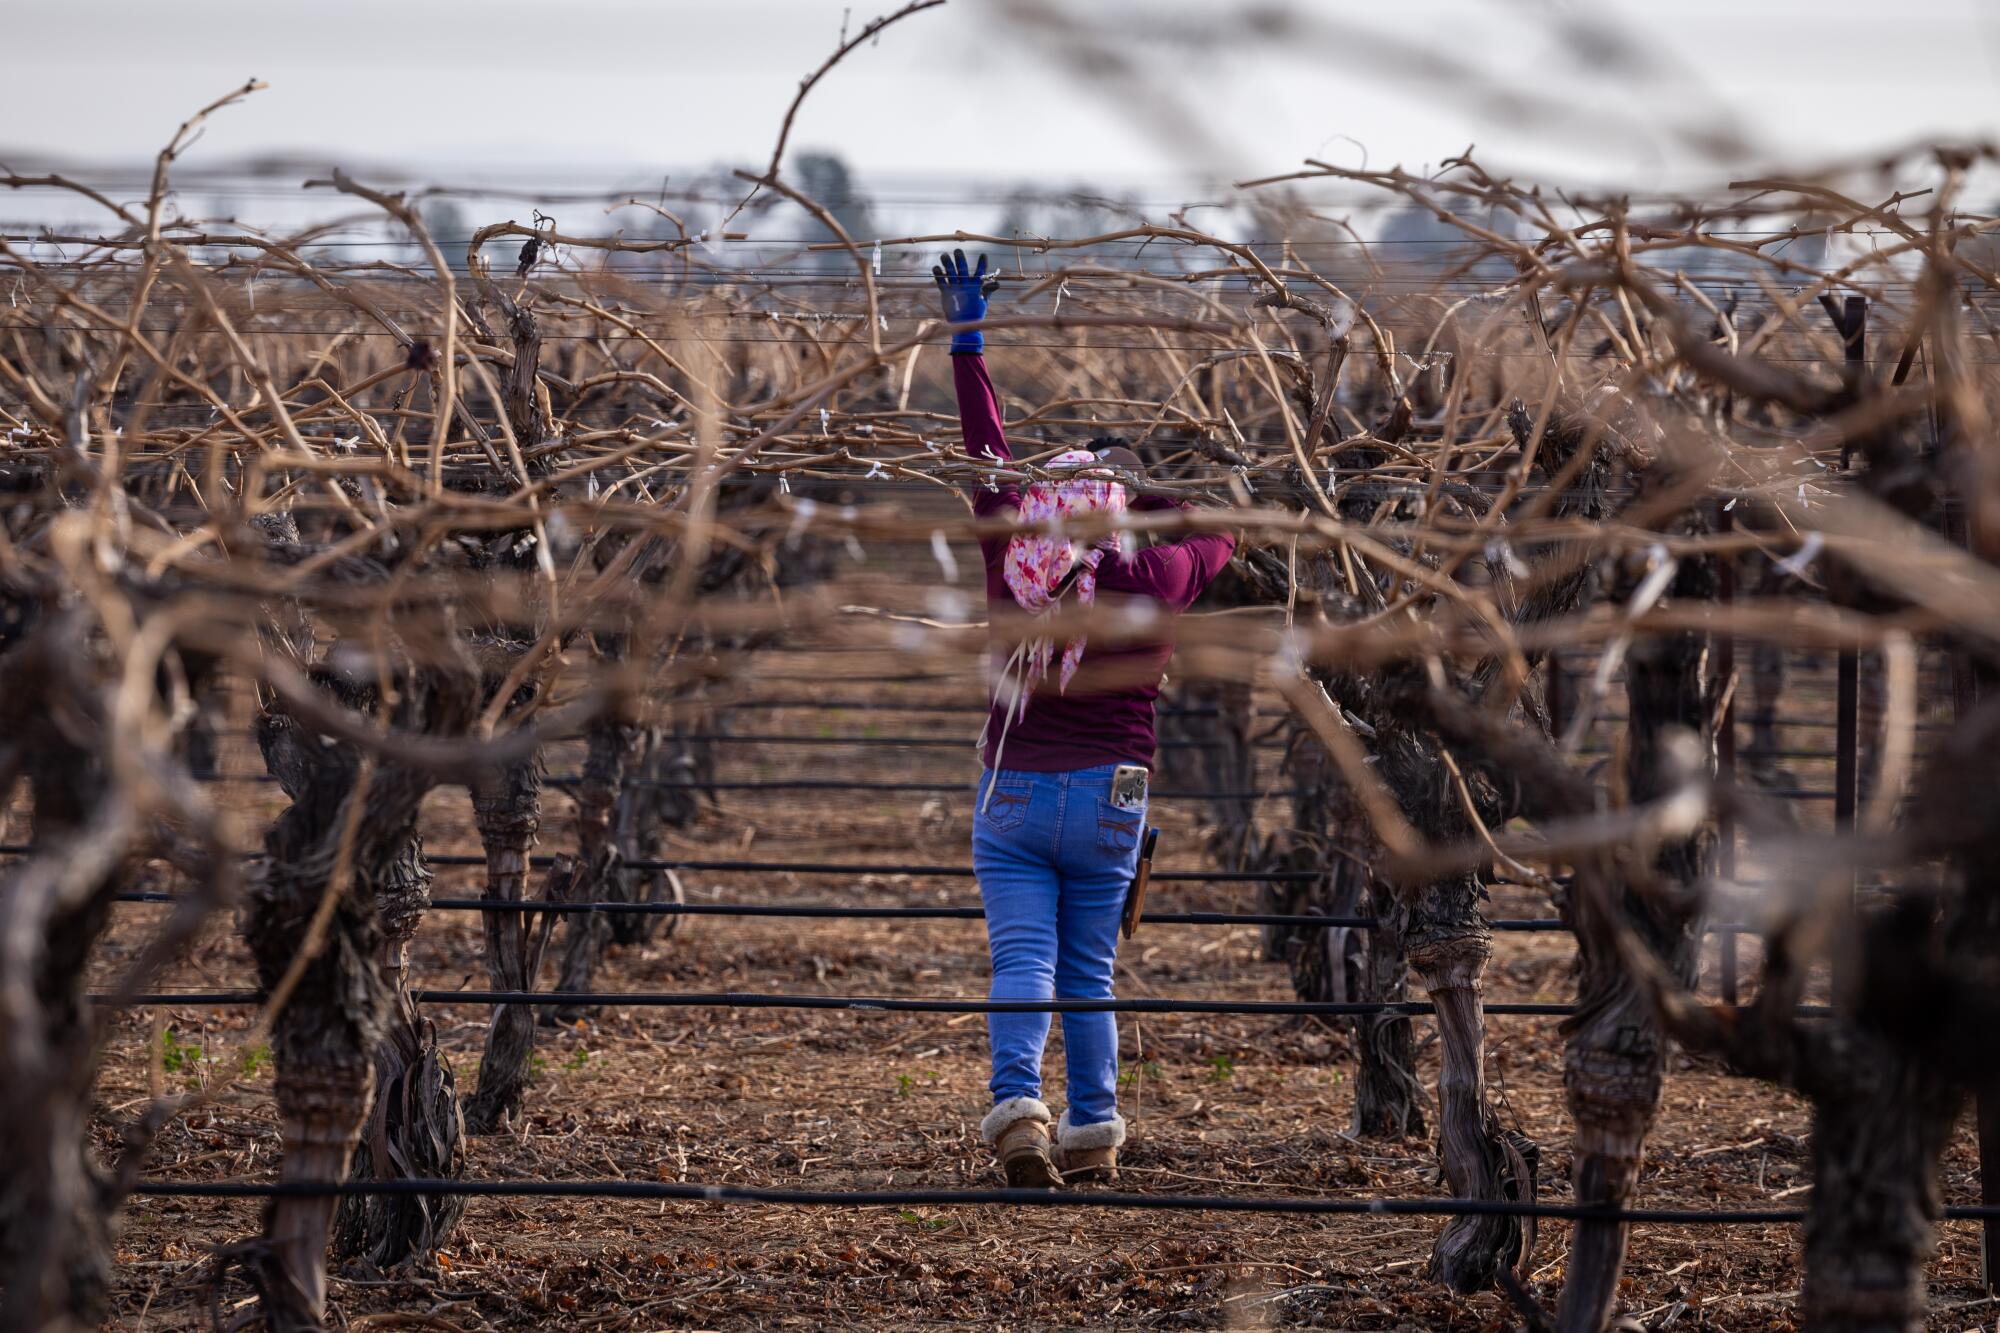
[(847, 1100)]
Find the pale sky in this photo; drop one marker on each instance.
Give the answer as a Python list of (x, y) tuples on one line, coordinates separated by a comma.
[(616, 90)]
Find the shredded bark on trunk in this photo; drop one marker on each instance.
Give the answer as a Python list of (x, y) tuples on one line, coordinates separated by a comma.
[(55, 1232), (1890, 1075), (1342, 964), (660, 794), (324, 1039), (1327, 833), (1614, 1060), (58, 1200), (614, 747), (415, 1128), (1388, 1094), (506, 805), (1877, 1140), (1885, 1096), (637, 783), (1448, 944), (347, 843)]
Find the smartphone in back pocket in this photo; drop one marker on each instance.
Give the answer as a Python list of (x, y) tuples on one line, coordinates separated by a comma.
[(1128, 787)]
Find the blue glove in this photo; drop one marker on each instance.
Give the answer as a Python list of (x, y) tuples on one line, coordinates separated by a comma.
[(965, 293)]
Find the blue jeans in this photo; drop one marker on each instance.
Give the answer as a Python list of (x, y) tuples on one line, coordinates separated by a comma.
[(1054, 858)]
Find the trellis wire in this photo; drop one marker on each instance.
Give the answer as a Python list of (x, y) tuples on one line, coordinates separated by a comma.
[(940, 788), (820, 784), (842, 868), (944, 788), (893, 868), (837, 912)]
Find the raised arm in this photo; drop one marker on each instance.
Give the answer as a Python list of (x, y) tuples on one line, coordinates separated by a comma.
[(1174, 573), (978, 408), (964, 291)]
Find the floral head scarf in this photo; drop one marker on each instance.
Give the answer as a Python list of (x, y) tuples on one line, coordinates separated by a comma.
[(1036, 564)]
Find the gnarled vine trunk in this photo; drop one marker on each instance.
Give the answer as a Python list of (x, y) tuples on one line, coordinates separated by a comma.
[(506, 805), (312, 923), (1327, 834), (1615, 1058), (637, 782), (660, 795), (1878, 1135), (55, 1232), (1448, 944), (614, 748), (1388, 1094), (415, 1129), (1346, 964)]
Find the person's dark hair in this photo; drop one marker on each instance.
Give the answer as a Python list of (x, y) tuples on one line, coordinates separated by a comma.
[(1116, 451)]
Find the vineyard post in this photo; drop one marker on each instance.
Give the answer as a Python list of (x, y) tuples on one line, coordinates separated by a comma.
[(1964, 698), (1847, 738), (1558, 713), (1851, 322), (1989, 1188), (1725, 749), (1965, 676), (1846, 753)]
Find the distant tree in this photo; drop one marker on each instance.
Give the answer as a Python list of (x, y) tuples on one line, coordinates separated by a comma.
[(1415, 240), (446, 223), (826, 180), (1029, 214)]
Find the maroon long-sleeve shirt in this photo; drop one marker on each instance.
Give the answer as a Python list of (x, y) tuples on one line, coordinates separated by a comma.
[(1106, 716)]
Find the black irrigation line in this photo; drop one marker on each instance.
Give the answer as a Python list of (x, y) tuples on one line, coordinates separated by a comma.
[(836, 912), (894, 1004), (1302, 919), (946, 788), (957, 788), (928, 742), (753, 1194), (892, 706), (869, 1003), (843, 868), (828, 784), (837, 784), (890, 868), (820, 784)]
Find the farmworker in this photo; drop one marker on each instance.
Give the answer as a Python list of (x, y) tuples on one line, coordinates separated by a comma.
[(1060, 811)]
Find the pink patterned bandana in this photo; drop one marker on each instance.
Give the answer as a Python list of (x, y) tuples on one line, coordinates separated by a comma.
[(1036, 564)]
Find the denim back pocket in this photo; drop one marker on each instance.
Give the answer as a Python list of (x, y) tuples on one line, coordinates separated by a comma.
[(1007, 808), (1118, 830)]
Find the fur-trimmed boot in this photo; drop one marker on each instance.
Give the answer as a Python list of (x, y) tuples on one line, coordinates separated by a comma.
[(1018, 1132), (1089, 1153)]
